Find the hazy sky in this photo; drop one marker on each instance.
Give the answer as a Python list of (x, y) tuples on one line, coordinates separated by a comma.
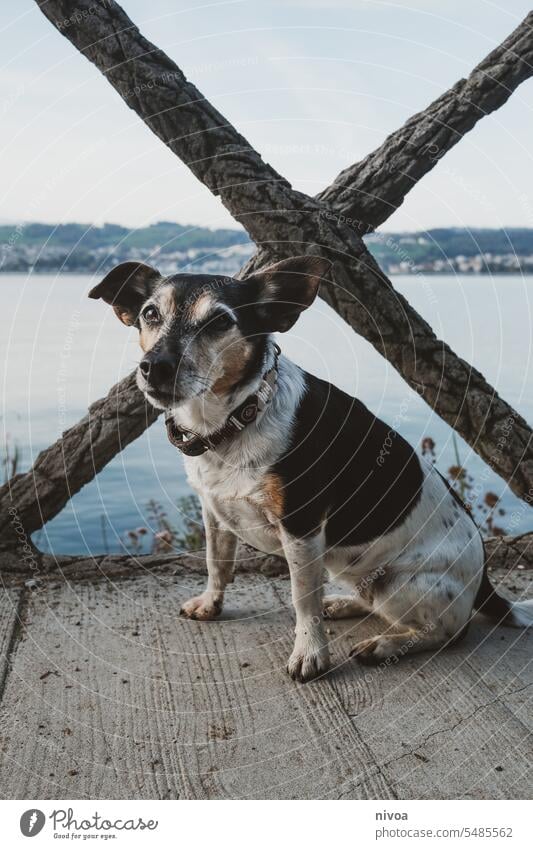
[(313, 85)]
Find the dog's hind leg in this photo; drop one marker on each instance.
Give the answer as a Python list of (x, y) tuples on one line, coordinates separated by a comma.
[(392, 645), (424, 610), (358, 600)]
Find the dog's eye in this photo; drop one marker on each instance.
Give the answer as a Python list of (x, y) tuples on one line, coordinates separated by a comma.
[(150, 314), (220, 322)]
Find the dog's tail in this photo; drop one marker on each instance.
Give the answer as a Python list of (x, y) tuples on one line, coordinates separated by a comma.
[(501, 610)]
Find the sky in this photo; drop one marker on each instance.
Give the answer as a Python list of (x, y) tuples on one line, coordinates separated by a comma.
[(313, 85)]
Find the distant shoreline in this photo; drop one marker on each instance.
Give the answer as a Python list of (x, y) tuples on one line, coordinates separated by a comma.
[(73, 248)]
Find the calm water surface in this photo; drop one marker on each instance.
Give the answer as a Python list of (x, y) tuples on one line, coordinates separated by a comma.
[(61, 351)]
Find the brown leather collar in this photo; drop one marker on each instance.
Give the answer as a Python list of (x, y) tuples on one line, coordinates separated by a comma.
[(193, 445)]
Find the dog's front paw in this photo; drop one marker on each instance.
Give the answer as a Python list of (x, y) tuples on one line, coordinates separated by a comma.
[(307, 662), (204, 607)]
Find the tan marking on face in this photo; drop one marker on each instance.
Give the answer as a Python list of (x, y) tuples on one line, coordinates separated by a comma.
[(234, 359), (201, 307), (165, 301), (148, 338), (272, 488)]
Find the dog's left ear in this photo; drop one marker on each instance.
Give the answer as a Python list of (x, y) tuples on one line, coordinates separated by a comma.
[(286, 289), (126, 288)]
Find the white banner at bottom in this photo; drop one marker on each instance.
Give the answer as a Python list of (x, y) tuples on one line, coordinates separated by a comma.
[(258, 824)]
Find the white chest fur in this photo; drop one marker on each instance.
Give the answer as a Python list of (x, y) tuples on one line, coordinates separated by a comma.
[(249, 521), (230, 479), (234, 495)]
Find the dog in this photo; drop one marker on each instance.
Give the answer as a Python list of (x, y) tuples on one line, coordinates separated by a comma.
[(293, 466)]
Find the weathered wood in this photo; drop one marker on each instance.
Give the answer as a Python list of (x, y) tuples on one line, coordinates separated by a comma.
[(172, 107), (284, 220), (13, 572), (509, 561), (370, 191), (112, 695), (29, 500)]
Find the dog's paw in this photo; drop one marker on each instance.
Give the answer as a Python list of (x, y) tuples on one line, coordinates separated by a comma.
[(333, 607), (342, 607), (373, 651), (204, 607), (306, 663)]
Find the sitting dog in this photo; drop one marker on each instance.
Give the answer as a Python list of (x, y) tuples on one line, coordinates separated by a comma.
[(293, 466)]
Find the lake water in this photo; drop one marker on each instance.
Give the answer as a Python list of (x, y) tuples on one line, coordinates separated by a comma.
[(61, 351)]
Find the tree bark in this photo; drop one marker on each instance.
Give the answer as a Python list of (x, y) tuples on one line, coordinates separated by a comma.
[(156, 89), (29, 500), (284, 222), (503, 553), (370, 191), (509, 552)]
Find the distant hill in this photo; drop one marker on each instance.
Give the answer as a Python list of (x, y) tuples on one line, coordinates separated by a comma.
[(84, 247), (452, 249), (165, 233), (173, 247)]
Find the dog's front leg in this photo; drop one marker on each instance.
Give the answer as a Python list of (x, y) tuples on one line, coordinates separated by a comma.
[(220, 557), (310, 656)]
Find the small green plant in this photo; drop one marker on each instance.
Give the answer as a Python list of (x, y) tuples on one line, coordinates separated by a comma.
[(10, 458), (192, 535), (161, 537), (484, 507)]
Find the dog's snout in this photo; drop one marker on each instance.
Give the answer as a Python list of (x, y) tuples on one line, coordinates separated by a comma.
[(157, 369)]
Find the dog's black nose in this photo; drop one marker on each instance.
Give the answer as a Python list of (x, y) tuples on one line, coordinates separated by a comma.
[(157, 370)]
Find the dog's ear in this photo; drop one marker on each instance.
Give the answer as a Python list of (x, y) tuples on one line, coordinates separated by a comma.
[(126, 288), (287, 288)]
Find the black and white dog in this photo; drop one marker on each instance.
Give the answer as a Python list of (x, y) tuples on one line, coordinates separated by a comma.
[(291, 465)]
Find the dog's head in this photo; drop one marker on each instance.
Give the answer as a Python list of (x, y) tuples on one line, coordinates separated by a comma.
[(202, 333)]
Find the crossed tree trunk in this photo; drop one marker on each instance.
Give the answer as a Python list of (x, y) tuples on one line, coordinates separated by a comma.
[(282, 221)]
